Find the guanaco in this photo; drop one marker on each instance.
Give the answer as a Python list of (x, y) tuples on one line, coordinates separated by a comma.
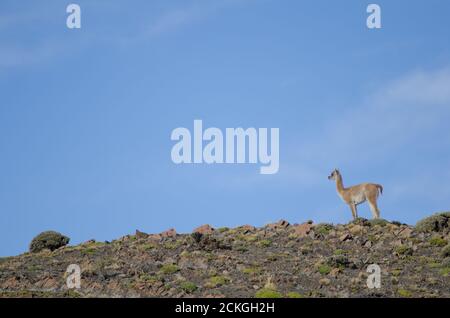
[(358, 194)]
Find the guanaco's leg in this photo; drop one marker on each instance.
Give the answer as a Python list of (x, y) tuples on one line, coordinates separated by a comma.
[(373, 206), (354, 211)]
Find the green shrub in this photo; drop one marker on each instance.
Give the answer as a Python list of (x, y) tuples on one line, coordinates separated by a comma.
[(247, 238), (403, 250), (147, 246), (217, 281), (437, 241), (149, 279), (294, 295), (380, 222), (265, 243), (361, 221), (404, 293), (434, 223), (241, 248), (267, 293), (48, 240), (446, 261), (223, 229), (88, 250), (169, 269), (172, 245), (340, 252), (446, 251), (197, 236), (339, 261), (445, 271), (188, 287), (323, 228), (396, 272), (324, 269)]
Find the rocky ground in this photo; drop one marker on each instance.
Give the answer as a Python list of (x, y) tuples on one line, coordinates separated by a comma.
[(278, 260)]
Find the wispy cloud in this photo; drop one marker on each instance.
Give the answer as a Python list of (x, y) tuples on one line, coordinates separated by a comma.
[(392, 124), (179, 17), (176, 18), (12, 19), (20, 51), (430, 89), (395, 115), (15, 55)]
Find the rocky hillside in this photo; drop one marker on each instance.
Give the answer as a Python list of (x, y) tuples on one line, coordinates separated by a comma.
[(278, 260)]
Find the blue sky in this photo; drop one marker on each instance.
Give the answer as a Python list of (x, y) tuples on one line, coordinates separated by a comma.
[(86, 115)]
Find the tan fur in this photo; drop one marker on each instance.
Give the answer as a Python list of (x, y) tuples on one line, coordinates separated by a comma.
[(358, 194)]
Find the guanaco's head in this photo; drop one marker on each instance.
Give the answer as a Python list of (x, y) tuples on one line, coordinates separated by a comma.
[(334, 174)]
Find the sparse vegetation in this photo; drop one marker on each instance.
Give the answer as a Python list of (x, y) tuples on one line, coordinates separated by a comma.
[(172, 245), (245, 262), (404, 293), (223, 229), (149, 279), (338, 261), (324, 269), (437, 241), (252, 270), (339, 252), (265, 243), (197, 237), (188, 287), (50, 240), (360, 221), (323, 228), (380, 222), (445, 271), (294, 295), (217, 281), (396, 272), (147, 246), (268, 293), (169, 269), (446, 251), (403, 250), (434, 223)]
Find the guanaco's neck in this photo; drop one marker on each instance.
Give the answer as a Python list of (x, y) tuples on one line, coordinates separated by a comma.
[(339, 184)]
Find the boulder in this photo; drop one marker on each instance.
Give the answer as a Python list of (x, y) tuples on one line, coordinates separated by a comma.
[(169, 233), (302, 230), (247, 228), (282, 224), (345, 237), (204, 229), (404, 232), (140, 235), (356, 229)]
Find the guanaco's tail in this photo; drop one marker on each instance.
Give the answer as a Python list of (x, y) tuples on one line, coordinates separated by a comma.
[(380, 187)]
